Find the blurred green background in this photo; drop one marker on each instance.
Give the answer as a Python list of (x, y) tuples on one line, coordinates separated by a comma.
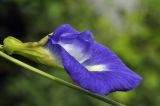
[(131, 28)]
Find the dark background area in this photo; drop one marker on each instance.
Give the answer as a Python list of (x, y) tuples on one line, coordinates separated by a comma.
[(131, 28)]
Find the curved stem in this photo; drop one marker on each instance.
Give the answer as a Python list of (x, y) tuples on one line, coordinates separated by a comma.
[(44, 74)]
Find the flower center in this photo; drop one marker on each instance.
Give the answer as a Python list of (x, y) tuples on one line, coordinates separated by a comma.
[(76, 51)]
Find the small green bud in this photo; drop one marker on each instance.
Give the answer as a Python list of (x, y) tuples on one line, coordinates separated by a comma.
[(32, 50)]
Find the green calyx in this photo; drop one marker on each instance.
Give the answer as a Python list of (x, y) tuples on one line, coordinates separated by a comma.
[(32, 50)]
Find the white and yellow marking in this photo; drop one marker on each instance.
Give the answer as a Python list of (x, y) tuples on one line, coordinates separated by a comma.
[(97, 67), (75, 51)]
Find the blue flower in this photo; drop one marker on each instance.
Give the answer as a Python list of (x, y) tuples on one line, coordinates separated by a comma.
[(91, 65)]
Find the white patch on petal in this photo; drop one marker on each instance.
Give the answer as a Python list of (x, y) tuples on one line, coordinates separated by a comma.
[(97, 68), (75, 51)]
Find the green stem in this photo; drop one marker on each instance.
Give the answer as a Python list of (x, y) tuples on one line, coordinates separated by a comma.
[(44, 74)]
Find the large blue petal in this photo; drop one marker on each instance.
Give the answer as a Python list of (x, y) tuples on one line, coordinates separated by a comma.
[(117, 78)]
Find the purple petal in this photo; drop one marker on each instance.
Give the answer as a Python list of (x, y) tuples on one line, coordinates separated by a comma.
[(103, 82), (90, 64)]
